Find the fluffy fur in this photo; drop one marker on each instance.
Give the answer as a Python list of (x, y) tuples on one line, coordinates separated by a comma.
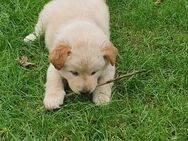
[(77, 37)]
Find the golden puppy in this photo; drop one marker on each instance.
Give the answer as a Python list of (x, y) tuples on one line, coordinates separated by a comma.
[(77, 37)]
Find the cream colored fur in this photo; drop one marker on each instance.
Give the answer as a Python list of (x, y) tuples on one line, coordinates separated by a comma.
[(80, 30)]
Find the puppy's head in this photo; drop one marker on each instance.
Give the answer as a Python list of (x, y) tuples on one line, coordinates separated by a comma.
[(83, 66)]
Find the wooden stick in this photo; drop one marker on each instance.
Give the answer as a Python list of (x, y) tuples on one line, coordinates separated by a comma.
[(122, 77), (115, 79)]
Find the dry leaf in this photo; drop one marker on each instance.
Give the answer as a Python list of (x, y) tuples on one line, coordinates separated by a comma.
[(24, 61)]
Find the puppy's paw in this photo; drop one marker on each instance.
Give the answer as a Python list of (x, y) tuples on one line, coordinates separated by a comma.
[(30, 37), (101, 98), (54, 101)]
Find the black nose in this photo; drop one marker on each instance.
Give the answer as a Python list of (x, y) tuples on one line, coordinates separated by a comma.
[(85, 92)]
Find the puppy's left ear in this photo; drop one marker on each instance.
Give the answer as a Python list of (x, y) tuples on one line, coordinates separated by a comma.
[(59, 55), (109, 52)]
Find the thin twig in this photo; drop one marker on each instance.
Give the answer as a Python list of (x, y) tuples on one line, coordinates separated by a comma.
[(122, 77), (115, 79)]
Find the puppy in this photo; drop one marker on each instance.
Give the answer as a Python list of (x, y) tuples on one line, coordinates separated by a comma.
[(80, 52)]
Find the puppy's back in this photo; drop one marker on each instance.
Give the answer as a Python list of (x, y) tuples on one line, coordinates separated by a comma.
[(58, 13), (62, 11)]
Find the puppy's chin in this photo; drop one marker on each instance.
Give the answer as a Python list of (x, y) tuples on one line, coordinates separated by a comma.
[(75, 91), (78, 91)]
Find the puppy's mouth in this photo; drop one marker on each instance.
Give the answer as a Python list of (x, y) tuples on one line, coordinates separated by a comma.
[(68, 88), (83, 92)]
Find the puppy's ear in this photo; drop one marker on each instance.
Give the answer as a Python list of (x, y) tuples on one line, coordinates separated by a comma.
[(59, 55), (109, 53)]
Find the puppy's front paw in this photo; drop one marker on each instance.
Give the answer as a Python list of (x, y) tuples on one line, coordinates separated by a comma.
[(54, 101), (101, 98), (30, 37)]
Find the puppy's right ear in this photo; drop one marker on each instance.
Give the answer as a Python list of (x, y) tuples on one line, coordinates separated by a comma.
[(59, 55)]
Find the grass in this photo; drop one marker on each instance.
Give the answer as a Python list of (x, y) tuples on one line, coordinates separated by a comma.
[(150, 106)]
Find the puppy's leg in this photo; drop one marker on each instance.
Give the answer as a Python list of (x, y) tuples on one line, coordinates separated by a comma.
[(39, 27), (54, 95), (102, 94), (38, 31)]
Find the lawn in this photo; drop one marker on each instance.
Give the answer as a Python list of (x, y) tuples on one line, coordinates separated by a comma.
[(145, 107)]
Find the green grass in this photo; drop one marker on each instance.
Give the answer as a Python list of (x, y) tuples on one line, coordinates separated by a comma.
[(150, 106)]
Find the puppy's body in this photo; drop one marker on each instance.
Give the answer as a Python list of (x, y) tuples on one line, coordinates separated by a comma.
[(77, 37)]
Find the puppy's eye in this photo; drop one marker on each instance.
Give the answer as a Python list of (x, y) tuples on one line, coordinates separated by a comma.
[(93, 73), (75, 73)]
